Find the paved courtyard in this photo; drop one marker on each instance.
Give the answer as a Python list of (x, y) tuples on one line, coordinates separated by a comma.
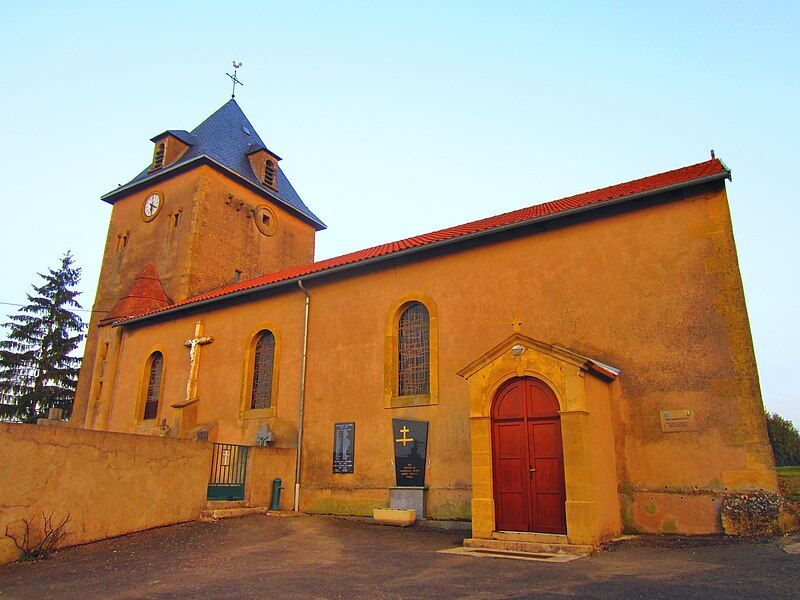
[(325, 557)]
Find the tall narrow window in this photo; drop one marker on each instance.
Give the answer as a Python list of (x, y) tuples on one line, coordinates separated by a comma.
[(263, 367), (153, 385), (413, 376), (122, 241), (158, 157), (269, 173)]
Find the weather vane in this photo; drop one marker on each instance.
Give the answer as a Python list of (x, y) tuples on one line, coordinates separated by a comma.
[(233, 77)]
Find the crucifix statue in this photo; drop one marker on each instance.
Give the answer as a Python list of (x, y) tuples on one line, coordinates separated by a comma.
[(194, 359), (185, 414)]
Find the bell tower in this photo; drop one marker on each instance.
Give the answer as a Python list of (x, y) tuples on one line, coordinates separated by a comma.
[(213, 207)]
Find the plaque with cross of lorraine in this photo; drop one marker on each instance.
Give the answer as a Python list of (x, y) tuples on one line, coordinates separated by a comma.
[(410, 448)]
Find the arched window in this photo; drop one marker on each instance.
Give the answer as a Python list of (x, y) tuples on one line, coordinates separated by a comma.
[(269, 173), (263, 367), (414, 351), (153, 385)]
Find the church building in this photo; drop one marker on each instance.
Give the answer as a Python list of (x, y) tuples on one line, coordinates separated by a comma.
[(577, 368)]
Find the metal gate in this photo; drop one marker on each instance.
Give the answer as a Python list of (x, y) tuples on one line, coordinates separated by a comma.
[(228, 469)]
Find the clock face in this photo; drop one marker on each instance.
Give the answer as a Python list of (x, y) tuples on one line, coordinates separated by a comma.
[(152, 204)]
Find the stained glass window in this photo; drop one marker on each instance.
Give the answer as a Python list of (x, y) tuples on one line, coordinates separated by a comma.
[(262, 371), (153, 386), (414, 354)]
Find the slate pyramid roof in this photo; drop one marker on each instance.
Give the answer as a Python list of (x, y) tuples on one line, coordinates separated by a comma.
[(146, 295), (225, 138)]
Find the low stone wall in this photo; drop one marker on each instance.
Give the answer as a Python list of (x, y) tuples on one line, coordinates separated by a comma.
[(109, 483)]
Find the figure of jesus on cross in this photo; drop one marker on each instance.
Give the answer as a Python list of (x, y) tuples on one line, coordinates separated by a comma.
[(194, 360)]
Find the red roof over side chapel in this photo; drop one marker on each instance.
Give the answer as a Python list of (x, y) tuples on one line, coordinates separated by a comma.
[(146, 295)]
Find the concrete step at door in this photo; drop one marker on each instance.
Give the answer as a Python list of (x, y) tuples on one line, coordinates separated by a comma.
[(532, 547)]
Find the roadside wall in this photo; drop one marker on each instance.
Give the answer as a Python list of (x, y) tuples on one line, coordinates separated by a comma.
[(109, 483)]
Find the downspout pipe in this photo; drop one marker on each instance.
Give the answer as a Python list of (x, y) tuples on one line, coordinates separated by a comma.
[(301, 408)]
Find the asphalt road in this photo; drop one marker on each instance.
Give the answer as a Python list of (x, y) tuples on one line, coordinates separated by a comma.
[(325, 557)]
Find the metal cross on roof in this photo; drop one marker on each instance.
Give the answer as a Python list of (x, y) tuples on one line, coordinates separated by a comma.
[(233, 77)]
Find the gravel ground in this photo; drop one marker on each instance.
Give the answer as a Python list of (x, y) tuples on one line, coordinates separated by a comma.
[(326, 557)]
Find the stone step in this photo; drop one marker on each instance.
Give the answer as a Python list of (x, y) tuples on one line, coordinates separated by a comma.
[(489, 553), (531, 547), (213, 514), (219, 504), (527, 536)]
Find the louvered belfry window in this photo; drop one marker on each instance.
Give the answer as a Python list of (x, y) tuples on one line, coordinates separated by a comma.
[(153, 386), (414, 351), (158, 157), (269, 173), (263, 366)]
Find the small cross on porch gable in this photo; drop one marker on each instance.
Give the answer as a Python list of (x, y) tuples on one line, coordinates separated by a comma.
[(516, 323)]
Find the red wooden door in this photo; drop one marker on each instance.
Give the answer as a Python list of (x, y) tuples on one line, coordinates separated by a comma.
[(528, 458)]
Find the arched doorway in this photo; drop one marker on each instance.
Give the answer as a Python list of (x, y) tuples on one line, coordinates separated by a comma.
[(528, 458)]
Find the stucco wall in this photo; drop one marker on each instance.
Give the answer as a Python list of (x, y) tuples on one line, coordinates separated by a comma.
[(108, 483), (216, 235), (652, 288)]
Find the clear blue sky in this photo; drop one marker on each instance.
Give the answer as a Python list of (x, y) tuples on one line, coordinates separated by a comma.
[(398, 118)]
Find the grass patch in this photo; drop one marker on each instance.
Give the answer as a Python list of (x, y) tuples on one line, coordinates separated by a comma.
[(789, 481)]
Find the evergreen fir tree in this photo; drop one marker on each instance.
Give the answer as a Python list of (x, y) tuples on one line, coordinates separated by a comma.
[(37, 368)]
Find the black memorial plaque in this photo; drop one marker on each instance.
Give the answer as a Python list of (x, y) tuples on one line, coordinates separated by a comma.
[(410, 444), (344, 442)]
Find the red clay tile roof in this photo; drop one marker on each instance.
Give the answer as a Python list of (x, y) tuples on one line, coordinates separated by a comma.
[(147, 295), (694, 174)]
